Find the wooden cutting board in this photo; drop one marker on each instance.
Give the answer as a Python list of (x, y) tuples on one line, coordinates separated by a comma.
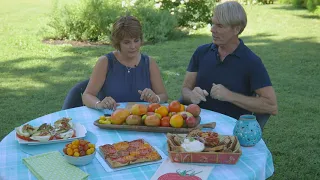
[(159, 129), (143, 128)]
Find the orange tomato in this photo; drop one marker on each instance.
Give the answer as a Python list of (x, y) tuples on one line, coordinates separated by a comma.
[(182, 108), (119, 116), (139, 109), (165, 121), (152, 120), (162, 110), (174, 106)]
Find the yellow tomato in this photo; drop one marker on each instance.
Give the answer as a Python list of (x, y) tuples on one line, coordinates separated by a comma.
[(69, 151), (75, 142), (88, 152), (91, 145), (76, 154)]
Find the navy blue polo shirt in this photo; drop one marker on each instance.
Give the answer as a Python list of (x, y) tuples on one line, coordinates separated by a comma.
[(241, 71)]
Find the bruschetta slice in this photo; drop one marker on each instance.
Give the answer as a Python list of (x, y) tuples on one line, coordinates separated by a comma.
[(44, 133), (64, 128), (25, 132)]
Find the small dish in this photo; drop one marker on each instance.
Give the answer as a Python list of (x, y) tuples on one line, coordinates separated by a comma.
[(79, 161), (192, 145)]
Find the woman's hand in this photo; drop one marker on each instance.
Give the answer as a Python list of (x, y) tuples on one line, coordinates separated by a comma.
[(148, 95), (108, 103)]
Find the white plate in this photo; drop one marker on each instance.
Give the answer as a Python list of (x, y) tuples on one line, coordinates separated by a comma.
[(80, 132)]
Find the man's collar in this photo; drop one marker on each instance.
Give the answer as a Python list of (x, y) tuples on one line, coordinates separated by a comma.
[(237, 52), (214, 47)]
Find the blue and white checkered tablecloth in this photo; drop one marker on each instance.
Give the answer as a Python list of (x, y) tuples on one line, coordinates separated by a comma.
[(255, 162)]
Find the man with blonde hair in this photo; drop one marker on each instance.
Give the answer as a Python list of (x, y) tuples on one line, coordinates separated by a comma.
[(224, 75)]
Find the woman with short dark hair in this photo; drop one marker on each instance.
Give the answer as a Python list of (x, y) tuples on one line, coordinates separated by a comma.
[(125, 75)]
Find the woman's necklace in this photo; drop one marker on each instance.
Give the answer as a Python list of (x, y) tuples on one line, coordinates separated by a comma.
[(128, 68)]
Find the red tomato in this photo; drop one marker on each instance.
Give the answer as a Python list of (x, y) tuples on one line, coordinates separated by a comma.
[(174, 106), (176, 176), (65, 150), (136, 143), (24, 138), (82, 142), (85, 147), (145, 151), (58, 137), (74, 133), (165, 121), (82, 153), (122, 160)]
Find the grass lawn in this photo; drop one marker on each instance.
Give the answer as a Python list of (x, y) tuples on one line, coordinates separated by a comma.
[(35, 77)]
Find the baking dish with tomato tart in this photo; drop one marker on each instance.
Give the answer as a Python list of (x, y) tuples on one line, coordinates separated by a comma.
[(126, 153)]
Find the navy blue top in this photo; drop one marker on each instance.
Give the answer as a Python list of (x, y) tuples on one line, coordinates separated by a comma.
[(123, 86), (241, 71)]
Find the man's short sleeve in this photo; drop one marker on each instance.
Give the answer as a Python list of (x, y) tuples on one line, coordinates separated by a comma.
[(259, 77), (194, 62)]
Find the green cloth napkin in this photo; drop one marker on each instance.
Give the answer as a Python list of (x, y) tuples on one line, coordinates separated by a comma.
[(53, 166)]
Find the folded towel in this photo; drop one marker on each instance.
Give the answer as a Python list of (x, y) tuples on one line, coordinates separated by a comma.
[(53, 166)]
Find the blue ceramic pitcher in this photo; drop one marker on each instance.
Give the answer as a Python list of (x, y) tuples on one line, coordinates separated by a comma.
[(247, 130)]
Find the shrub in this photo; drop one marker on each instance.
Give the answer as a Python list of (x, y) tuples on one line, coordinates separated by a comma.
[(89, 20), (92, 20), (157, 25), (285, 1), (190, 13), (297, 3), (311, 5)]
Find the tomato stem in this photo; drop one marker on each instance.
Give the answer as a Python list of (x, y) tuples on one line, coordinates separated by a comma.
[(185, 172)]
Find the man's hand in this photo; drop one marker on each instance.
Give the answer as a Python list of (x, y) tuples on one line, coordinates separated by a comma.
[(198, 95), (220, 92)]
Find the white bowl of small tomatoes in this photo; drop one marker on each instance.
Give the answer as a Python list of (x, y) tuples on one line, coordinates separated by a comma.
[(79, 152)]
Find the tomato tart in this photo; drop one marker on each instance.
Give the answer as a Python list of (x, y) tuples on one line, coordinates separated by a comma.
[(126, 153)]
